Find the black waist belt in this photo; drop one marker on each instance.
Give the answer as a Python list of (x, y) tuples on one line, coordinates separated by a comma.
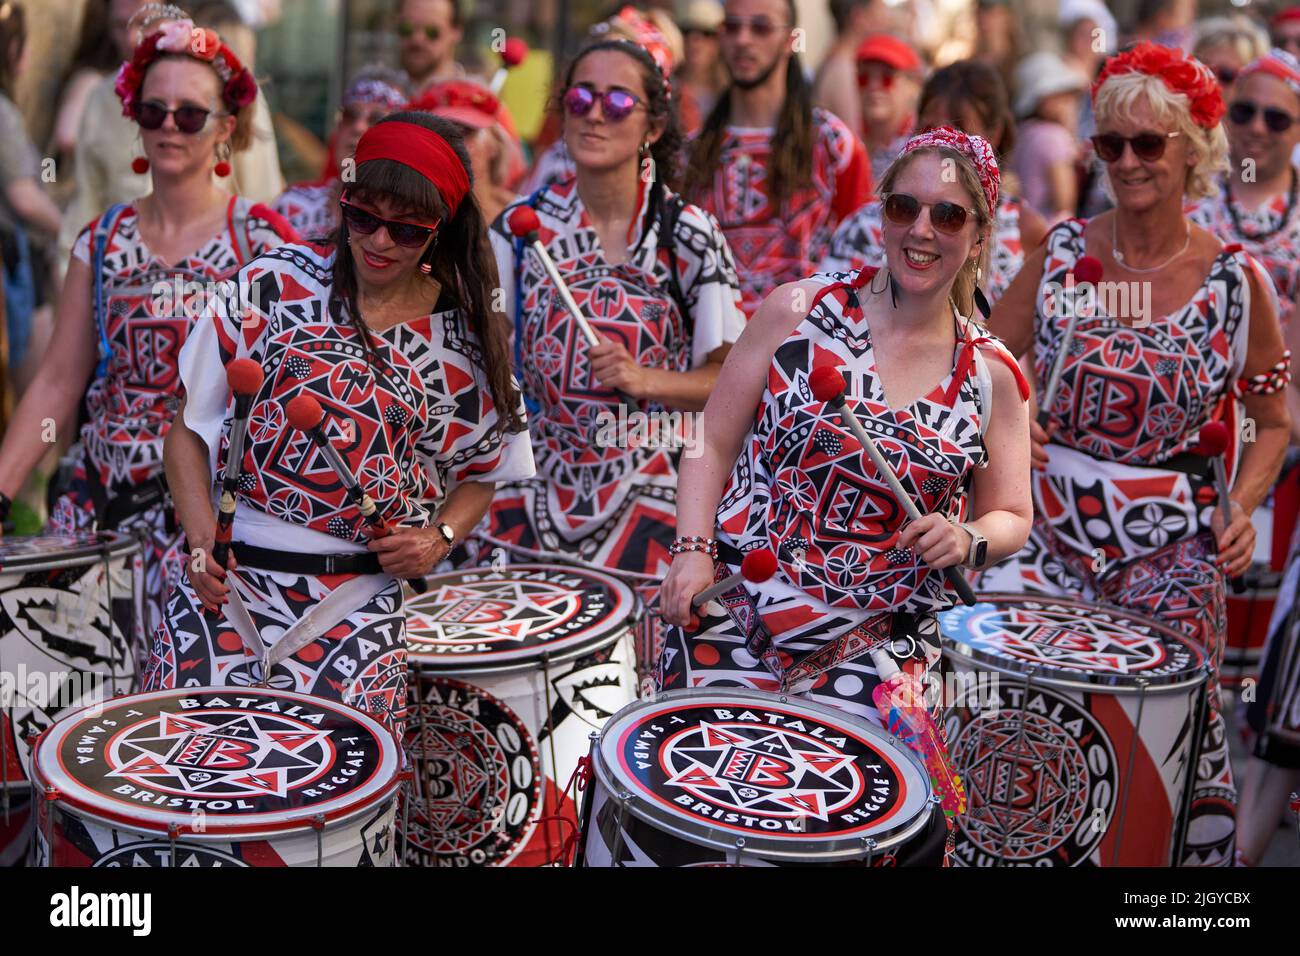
[(295, 562)]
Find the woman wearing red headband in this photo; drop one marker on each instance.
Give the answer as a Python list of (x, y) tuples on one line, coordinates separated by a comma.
[(138, 276), (1183, 331), (390, 329), (656, 280), (856, 586)]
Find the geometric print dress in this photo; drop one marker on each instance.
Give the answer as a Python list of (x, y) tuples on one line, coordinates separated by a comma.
[(1122, 512)]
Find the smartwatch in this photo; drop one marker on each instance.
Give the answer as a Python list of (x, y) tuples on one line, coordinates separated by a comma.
[(979, 548)]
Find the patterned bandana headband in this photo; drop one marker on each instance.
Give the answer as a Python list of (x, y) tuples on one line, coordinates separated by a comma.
[(1279, 64), (644, 34), (1179, 73), (419, 149), (182, 38), (374, 91), (974, 148)]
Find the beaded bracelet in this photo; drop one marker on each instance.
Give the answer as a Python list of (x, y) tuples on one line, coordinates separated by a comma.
[(1269, 382), (694, 542)]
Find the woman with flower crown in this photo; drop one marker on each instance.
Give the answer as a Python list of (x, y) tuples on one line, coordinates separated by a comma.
[(1127, 512), (121, 323)]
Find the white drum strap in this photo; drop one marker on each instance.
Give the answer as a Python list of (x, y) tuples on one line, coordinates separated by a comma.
[(330, 610)]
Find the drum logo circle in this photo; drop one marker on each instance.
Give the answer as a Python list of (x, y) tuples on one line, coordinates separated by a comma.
[(478, 775), (770, 772), (1040, 776)]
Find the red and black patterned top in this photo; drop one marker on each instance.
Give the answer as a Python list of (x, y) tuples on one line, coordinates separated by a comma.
[(150, 307), (774, 246), (411, 425), (311, 208)]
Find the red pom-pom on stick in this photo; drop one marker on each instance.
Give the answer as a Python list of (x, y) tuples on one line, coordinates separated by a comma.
[(516, 50), (758, 566), (826, 383), (523, 222), (1087, 269), (1213, 439), (305, 412), (244, 376)]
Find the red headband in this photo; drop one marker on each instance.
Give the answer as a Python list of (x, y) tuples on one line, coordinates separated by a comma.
[(420, 149)]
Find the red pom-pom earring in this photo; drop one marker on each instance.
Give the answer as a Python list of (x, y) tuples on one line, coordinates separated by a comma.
[(222, 169), (140, 165)]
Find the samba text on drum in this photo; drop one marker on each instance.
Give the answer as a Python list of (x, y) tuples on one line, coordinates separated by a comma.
[(659, 429), (1128, 302), (54, 690)]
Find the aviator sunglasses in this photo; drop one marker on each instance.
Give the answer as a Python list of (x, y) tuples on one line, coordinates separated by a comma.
[(410, 235), (1147, 147), (151, 115), (617, 105), (902, 210)]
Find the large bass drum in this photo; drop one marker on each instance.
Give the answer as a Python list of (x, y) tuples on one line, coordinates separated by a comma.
[(704, 777), (1074, 727), (510, 672)]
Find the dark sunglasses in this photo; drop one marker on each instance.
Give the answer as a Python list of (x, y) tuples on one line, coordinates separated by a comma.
[(761, 27), (405, 30), (1242, 113), (902, 210), (884, 78), (617, 105), (1147, 147), (410, 235), (151, 115)]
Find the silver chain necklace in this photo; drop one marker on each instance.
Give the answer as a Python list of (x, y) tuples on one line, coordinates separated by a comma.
[(1114, 249)]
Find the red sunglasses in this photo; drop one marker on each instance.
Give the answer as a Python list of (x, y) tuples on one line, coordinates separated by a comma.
[(410, 235)]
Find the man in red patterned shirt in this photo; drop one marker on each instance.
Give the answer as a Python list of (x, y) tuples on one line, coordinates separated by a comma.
[(777, 206)]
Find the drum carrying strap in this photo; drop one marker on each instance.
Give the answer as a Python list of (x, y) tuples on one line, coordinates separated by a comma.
[(105, 226)]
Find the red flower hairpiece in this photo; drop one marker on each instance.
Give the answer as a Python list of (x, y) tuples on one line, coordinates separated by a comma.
[(181, 37), (1179, 73)]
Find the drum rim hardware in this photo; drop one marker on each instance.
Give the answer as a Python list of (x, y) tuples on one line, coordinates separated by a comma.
[(799, 848), (82, 550)]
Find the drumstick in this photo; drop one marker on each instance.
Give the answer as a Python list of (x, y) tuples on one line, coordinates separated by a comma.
[(756, 567), (525, 225), (245, 379), (1087, 270), (512, 55), (828, 386), (1213, 442), (306, 415)]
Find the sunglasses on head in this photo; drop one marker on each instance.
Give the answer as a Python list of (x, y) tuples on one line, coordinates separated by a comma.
[(1242, 113), (1146, 146), (151, 115), (410, 235), (761, 27), (405, 30), (902, 210), (617, 105)]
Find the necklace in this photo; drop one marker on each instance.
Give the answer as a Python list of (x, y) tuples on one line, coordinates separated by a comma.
[(1260, 236), (1114, 249)]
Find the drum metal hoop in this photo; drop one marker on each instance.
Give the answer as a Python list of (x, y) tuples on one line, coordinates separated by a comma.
[(1128, 772)]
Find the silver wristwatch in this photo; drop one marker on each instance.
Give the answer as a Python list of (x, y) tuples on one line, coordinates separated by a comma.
[(448, 533), (979, 548)]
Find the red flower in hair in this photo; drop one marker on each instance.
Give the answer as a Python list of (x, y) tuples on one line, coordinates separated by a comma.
[(1178, 73), (241, 90), (127, 85)]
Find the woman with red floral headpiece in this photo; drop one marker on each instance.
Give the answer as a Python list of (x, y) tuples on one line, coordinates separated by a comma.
[(1183, 331), (137, 278), (857, 588), (391, 331)]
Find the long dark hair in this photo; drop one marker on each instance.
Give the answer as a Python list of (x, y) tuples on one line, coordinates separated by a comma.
[(13, 32), (460, 257), (977, 85), (667, 149)]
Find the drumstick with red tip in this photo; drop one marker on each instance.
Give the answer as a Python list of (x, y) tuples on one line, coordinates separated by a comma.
[(828, 386), (1086, 271), (306, 415), (525, 225), (514, 53), (1213, 443), (756, 567), (244, 377)]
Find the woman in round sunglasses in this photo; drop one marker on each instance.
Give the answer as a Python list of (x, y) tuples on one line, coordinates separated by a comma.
[(312, 208), (779, 469), (391, 329), (138, 276), (1181, 331), (655, 279), (968, 95)]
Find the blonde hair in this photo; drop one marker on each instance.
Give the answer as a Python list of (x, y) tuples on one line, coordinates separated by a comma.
[(963, 285), (1122, 92), (1248, 39)]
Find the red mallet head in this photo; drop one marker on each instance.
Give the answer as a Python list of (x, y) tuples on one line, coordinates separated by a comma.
[(826, 382), (305, 412), (515, 51), (1087, 269), (758, 566), (244, 376), (1213, 439), (523, 222)]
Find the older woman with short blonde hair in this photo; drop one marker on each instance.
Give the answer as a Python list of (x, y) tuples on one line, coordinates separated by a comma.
[(1127, 509)]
